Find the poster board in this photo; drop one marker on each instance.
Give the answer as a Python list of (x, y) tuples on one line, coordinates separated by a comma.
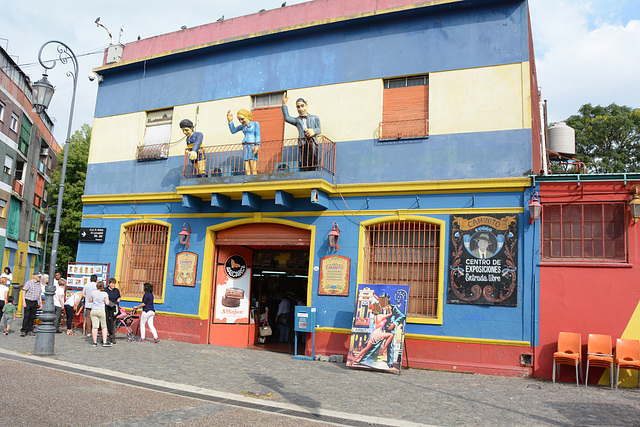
[(232, 293), (377, 332), (483, 260), (186, 269), (78, 273), (334, 275)]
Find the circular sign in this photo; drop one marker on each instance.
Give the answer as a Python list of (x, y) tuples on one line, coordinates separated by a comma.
[(235, 266)]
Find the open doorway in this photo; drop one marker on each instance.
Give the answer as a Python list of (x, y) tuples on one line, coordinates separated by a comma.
[(280, 274)]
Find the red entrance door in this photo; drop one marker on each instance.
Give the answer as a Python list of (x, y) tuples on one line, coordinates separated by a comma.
[(232, 321)]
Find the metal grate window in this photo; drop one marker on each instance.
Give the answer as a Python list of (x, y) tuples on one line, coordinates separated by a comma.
[(406, 253), (143, 259), (584, 232)]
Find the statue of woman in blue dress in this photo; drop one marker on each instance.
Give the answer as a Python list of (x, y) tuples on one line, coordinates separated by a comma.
[(251, 141)]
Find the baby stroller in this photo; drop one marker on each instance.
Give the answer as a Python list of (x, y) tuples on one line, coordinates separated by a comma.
[(124, 320)]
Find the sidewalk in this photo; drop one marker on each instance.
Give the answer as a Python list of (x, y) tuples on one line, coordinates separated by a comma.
[(417, 396)]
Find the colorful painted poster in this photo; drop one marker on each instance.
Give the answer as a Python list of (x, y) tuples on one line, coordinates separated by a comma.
[(377, 332), (483, 260), (78, 274), (186, 268), (334, 275), (232, 292)]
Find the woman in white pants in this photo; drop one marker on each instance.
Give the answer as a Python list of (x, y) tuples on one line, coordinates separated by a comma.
[(148, 313)]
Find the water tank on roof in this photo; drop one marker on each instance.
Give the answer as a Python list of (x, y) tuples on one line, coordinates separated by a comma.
[(562, 139)]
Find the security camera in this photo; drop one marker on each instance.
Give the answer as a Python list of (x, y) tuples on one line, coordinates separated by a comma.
[(95, 76)]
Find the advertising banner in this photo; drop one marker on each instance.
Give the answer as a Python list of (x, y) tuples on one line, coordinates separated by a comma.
[(377, 333), (483, 260), (232, 291)]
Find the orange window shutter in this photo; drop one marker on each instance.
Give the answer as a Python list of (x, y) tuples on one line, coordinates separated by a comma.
[(271, 135), (405, 103)]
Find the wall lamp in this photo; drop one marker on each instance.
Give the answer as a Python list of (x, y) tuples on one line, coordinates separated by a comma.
[(634, 205), (333, 235), (535, 208), (184, 235)]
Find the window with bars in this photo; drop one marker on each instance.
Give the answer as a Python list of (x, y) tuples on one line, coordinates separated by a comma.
[(584, 232), (143, 256), (406, 253)]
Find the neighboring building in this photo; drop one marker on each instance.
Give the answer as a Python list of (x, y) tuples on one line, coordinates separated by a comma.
[(589, 265), (29, 153), (430, 132)]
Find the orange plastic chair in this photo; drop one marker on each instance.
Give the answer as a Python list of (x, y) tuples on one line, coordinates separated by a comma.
[(599, 354), (627, 357), (569, 353)]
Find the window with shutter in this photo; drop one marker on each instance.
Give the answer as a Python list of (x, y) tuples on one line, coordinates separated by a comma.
[(405, 110)]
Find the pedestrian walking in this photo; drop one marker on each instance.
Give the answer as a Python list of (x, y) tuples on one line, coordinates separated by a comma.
[(4, 293), (58, 302), (31, 292), (148, 313), (99, 299), (88, 289), (9, 314), (73, 305)]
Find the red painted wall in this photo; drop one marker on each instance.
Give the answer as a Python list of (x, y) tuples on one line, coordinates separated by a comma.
[(269, 20), (586, 298)]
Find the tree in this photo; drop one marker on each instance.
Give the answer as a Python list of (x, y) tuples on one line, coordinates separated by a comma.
[(607, 138), (72, 199)]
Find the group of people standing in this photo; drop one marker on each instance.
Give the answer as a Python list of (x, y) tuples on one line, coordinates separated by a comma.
[(100, 305), (307, 124)]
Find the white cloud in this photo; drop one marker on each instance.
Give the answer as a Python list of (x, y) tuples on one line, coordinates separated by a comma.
[(582, 57)]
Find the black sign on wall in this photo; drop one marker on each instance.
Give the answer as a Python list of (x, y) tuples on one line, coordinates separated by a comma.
[(483, 260), (92, 234)]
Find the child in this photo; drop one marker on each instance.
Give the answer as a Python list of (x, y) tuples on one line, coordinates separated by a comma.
[(9, 314)]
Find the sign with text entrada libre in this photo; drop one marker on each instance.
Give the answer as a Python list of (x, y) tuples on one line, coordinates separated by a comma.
[(92, 234), (483, 260)]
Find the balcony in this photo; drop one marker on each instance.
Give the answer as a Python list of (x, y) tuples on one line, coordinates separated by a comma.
[(282, 156), (18, 187), (152, 152), (404, 129)]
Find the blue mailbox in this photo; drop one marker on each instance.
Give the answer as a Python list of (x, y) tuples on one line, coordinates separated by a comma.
[(305, 321)]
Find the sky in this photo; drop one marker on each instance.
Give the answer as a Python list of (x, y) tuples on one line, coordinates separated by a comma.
[(585, 51)]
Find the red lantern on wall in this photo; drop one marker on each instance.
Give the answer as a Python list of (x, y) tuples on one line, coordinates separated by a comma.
[(535, 208), (184, 235), (333, 235)]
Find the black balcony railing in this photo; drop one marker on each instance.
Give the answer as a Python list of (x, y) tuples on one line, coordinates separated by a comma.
[(274, 157)]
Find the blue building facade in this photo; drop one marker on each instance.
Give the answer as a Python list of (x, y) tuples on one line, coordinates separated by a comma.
[(429, 124)]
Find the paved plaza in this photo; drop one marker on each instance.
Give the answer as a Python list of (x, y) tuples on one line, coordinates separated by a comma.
[(251, 383)]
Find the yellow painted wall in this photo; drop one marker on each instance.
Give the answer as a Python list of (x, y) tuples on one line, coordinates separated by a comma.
[(480, 99), (472, 100)]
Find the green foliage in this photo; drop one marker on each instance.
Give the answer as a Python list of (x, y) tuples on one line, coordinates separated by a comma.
[(72, 199), (607, 138)]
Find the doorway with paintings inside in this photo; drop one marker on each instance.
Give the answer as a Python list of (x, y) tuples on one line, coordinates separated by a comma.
[(260, 273)]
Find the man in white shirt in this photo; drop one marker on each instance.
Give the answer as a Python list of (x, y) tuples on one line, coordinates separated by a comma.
[(88, 288)]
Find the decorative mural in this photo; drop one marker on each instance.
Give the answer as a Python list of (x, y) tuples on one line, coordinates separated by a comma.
[(483, 260)]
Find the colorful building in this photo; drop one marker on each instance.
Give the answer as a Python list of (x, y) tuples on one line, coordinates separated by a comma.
[(589, 265), (29, 152), (429, 134)]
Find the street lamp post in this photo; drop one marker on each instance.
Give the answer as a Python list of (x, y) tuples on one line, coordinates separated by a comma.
[(45, 339), (47, 220)]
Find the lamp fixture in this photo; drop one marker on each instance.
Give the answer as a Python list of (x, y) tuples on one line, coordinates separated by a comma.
[(43, 92), (333, 236), (535, 208), (184, 235), (634, 205)]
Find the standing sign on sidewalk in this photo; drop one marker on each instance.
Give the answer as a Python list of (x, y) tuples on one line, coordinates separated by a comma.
[(377, 334), (79, 274)]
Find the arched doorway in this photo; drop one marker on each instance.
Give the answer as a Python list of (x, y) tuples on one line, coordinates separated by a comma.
[(255, 266)]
